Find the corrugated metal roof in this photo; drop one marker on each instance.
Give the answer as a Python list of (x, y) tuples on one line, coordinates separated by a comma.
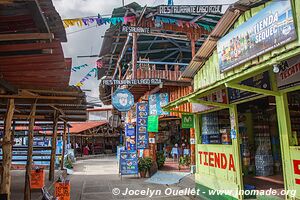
[(80, 127)]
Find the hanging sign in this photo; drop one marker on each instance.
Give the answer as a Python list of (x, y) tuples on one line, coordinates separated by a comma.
[(270, 28), (156, 102), (135, 29), (153, 123), (130, 137), (122, 100), (128, 162), (289, 74), (141, 125), (150, 81), (187, 121), (190, 9), (261, 81)]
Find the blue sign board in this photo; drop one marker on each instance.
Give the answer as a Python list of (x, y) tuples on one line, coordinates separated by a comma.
[(130, 137), (122, 100), (128, 162), (270, 28), (141, 125), (119, 149), (156, 102)]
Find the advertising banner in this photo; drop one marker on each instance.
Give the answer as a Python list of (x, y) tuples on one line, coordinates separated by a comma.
[(289, 74), (261, 81), (187, 121), (153, 123), (156, 102), (122, 100), (128, 162), (270, 28), (130, 136), (141, 125)]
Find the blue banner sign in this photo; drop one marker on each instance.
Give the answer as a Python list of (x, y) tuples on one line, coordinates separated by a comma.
[(128, 162), (141, 125), (156, 102), (122, 100), (130, 137), (270, 28)]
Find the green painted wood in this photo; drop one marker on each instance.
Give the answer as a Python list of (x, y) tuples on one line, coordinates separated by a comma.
[(295, 155), (252, 89), (284, 125)]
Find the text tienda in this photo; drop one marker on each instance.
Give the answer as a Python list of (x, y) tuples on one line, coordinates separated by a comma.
[(266, 27), (218, 160)]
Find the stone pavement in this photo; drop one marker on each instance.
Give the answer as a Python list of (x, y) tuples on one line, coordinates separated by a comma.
[(95, 179)]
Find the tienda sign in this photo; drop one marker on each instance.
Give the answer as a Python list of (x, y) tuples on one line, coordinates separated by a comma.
[(297, 170), (217, 160)]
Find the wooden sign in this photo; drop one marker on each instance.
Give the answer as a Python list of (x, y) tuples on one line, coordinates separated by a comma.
[(151, 81), (37, 179), (190, 9), (62, 190), (135, 29)]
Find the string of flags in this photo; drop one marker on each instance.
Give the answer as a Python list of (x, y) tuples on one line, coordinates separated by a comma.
[(87, 21), (74, 69), (87, 76)]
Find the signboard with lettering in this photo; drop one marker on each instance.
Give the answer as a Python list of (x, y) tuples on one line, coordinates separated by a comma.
[(37, 179), (62, 190), (187, 121), (122, 100), (261, 81), (270, 28), (218, 96), (135, 29), (128, 162), (156, 102), (141, 125), (130, 137), (152, 123), (147, 81), (190, 9), (289, 74)]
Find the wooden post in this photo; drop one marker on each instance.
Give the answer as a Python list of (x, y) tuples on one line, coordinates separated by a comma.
[(64, 137), (27, 191), (134, 53), (192, 146), (7, 150), (193, 46), (53, 147)]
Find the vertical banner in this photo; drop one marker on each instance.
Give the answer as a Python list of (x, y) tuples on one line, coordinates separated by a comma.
[(128, 162), (141, 125), (152, 123), (130, 137), (156, 102)]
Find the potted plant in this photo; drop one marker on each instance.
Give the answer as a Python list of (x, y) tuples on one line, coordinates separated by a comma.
[(160, 159), (144, 165), (184, 161)]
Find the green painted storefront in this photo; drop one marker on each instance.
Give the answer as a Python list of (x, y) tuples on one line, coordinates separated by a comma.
[(221, 176)]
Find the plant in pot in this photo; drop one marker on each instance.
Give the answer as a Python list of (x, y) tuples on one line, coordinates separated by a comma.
[(160, 159), (184, 161), (144, 165)]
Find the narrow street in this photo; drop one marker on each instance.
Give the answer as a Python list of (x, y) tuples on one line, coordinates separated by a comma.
[(95, 179)]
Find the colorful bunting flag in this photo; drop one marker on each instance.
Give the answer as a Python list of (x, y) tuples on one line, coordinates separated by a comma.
[(86, 77), (74, 69), (87, 21)]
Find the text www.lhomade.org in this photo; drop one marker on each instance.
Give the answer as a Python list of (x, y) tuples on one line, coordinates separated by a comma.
[(196, 192)]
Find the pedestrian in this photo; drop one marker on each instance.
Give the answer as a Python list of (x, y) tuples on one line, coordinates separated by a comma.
[(86, 150)]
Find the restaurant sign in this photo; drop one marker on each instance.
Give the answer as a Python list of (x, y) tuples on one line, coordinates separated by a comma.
[(122, 100), (270, 28), (148, 81), (135, 29), (190, 9)]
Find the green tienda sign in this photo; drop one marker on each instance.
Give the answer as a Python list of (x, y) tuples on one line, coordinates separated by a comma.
[(187, 121)]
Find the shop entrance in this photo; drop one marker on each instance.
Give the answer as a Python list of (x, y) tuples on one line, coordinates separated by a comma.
[(173, 144), (260, 146)]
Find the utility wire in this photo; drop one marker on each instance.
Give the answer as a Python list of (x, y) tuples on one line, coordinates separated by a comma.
[(81, 30)]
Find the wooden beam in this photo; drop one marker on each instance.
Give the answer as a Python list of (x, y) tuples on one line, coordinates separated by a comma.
[(26, 36), (7, 150), (64, 146), (53, 147), (29, 46), (252, 89), (27, 189), (37, 97)]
